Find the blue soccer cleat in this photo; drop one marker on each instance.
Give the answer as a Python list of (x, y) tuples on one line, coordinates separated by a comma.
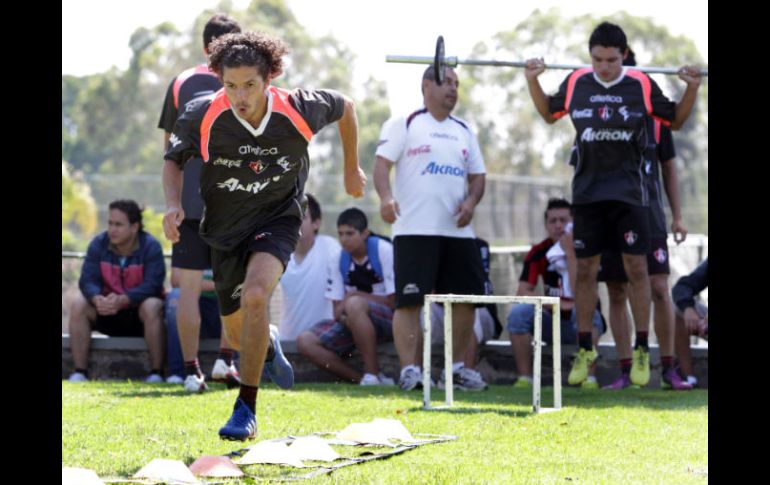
[(242, 425)]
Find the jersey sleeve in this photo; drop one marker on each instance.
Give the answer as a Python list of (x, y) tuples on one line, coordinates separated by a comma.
[(185, 138), (318, 107), (556, 101), (665, 146), (529, 271), (169, 114), (475, 158), (392, 139), (662, 108)]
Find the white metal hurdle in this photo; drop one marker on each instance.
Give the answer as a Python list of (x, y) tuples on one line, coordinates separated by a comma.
[(538, 301)]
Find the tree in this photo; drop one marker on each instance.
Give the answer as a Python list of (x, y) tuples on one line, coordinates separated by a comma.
[(78, 211)]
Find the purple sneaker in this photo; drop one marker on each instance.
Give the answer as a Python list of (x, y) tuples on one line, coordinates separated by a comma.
[(671, 380), (623, 382)]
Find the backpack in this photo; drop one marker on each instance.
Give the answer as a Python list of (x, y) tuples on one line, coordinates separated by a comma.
[(372, 250)]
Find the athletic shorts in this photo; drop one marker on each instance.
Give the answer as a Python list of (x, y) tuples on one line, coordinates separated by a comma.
[(190, 252), (125, 323), (611, 226), (278, 237), (611, 268), (436, 264)]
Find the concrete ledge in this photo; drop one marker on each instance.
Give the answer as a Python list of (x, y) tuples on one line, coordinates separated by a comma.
[(126, 358)]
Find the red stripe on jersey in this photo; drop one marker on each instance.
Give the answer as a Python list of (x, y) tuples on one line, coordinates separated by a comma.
[(281, 105), (657, 130), (219, 105), (571, 90), (180, 79), (646, 87), (644, 80)]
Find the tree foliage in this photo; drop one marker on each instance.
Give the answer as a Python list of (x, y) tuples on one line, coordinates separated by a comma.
[(78, 210)]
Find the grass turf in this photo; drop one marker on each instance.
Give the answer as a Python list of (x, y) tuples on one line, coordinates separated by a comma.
[(631, 436)]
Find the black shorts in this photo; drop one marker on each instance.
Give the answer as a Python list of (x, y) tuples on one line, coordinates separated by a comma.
[(190, 252), (611, 225), (125, 323), (611, 268), (436, 264), (278, 237)]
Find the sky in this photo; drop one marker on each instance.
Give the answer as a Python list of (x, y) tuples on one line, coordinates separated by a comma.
[(372, 29)]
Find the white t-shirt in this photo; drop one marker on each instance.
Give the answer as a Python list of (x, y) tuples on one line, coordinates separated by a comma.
[(433, 160), (303, 285), (336, 288)]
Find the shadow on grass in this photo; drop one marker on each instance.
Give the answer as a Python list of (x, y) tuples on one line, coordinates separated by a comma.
[(144, 390), (500, 397)]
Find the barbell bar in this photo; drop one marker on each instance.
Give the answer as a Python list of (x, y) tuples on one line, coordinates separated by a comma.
[(439, 60)]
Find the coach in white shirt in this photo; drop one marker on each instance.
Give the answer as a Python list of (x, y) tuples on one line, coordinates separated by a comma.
[(440, 178)]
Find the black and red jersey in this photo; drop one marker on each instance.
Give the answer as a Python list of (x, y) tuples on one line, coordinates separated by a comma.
[(251, 176), (536, 264), (190, 84), (660, 151), (612, 132)]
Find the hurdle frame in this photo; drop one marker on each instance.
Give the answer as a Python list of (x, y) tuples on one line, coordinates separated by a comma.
[(537, 301)]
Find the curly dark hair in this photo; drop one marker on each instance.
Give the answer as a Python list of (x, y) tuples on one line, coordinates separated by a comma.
[(254, 49)]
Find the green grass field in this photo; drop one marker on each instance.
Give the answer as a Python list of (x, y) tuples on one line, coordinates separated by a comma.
[(633, 436)]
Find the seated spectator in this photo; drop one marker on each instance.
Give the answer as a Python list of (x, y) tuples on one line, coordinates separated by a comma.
[(691, 316), (361, 285), (483, 330), (210, 327), (486, 325), (303, 284), (121, 286), (554, 260)]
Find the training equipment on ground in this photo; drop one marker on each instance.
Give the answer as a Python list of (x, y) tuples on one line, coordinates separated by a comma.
[(538, 301)]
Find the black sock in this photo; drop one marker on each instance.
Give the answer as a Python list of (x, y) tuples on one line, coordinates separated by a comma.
[(248, 395), (641, 341), (82, 371), (625, 366), (157, 371), (192, 368), (666, 362), (585, 341), (227, 355)]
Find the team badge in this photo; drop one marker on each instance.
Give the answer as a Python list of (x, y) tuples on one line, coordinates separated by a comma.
[(259, 166), (605, 112)]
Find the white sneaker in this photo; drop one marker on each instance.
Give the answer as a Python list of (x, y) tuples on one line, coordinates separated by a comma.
[(385, 380), (152, 378), (193, 383), (369, 380), (78, 377), (174, 379), (221, 372), (411, 378), (692, 380), (465, 379)]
